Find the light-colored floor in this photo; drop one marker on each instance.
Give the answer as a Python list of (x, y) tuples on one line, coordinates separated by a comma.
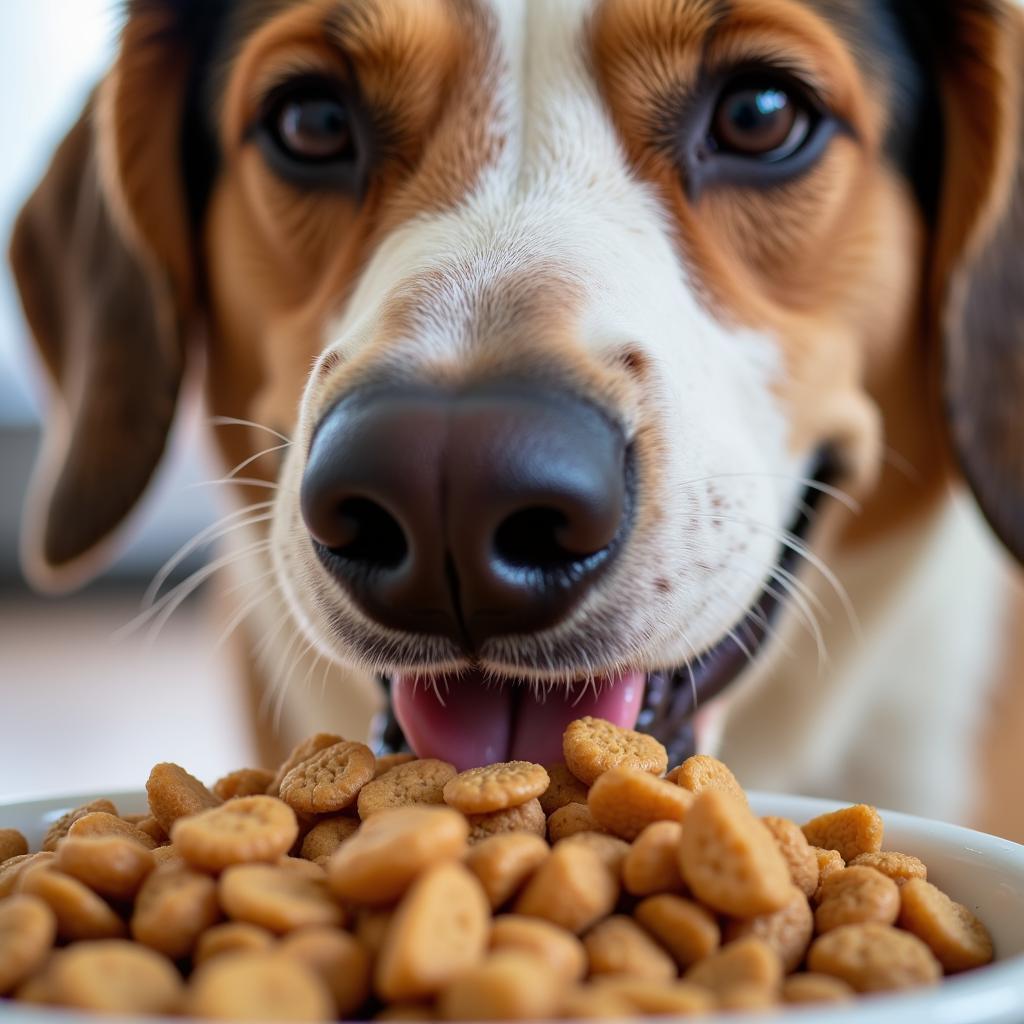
[(82, 709)]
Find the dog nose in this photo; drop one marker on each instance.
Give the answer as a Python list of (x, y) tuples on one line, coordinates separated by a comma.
[(470, 515)]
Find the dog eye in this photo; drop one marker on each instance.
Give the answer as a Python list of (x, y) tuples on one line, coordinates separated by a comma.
[(762, 121), (311, 134), (314, 128), (755, 128)]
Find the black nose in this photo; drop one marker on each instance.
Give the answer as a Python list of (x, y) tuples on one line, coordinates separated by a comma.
[(469, 515)]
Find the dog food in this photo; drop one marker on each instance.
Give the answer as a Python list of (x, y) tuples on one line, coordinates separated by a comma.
[(347, 887)]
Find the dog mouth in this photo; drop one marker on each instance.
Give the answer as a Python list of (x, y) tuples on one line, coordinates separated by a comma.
[(472, 718)]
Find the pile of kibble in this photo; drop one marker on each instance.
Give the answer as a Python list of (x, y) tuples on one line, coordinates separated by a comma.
[(349, 886)]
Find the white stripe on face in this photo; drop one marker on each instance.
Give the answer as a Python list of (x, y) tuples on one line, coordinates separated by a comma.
[(560, 205)]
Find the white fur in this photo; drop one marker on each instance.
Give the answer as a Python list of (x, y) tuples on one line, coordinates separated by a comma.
[(894, 715), (562, 196)]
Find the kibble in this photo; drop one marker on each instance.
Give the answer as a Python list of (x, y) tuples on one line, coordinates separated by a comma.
[(395, 888)]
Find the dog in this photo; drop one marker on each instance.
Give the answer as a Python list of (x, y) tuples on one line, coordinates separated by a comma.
[(614, 357)]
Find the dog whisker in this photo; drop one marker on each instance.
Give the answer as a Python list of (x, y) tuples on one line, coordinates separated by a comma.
[(206, 536), (798, 547), (234, 421), (174, 599), (843, 497), (240, 481), (252, 458)]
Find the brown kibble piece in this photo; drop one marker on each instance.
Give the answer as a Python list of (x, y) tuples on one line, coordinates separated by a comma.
[(407, 1011), (12, 869), (152, 828), (391, 849), (330, 780), (563, 788), (100, 823), (341, 962), (800, 856), (570, 820), (112, 866), (231, 937), (683, 927), (174, 794), (624, 801), (417, 782), (618, 945), (371, 928), (591, 746), (856, 896), (788, 931), (573, 888), (80, 913), (654, 998), (260, 987), (35, 989), (506, 986), (12, 844), (611, 849), (874, 958), (652, 863), (243, 782), (815, 988), (303, 751), (747, 997), (306, 868), (388, 761), (439, 931), (114, 977), (276, 899), (173, 908), (495, 787), (900, 867), (747, 961), (245, 829), (59, 829), (28, 928), (555, 946), (327, 835), (592, 1002), (956, 937), (526, 817), (850, 831), (829, 862), (701, 772), (503, 863), (730, 860)]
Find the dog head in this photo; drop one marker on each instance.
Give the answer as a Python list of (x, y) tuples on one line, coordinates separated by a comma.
[(573, 312)]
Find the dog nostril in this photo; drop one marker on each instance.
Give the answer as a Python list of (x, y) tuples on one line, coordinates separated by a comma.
[(368, 533), (538, 538)]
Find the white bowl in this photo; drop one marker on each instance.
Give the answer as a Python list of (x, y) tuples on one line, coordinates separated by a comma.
[(982, 872)]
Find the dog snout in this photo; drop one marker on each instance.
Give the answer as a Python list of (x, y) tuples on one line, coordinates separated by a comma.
[(469, 515)]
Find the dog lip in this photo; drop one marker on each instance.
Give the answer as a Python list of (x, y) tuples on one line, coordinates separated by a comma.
[(673, 696)]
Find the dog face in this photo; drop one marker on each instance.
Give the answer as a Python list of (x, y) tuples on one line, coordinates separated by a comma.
[(676, 270)]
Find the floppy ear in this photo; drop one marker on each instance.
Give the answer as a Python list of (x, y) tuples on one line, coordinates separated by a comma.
[(979, 253), (103, 257)]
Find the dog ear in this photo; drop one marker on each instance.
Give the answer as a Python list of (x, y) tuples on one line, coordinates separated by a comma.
[(103, 258), (979, 254)]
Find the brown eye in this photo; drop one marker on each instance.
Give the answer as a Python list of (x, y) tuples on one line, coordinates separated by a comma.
[(765, 122), (316, 134), (314, 128)]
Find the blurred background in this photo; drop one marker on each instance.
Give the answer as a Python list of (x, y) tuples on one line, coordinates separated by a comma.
[(56, 657)]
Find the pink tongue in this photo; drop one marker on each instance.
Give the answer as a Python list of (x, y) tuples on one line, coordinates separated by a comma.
[(469, 722)]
